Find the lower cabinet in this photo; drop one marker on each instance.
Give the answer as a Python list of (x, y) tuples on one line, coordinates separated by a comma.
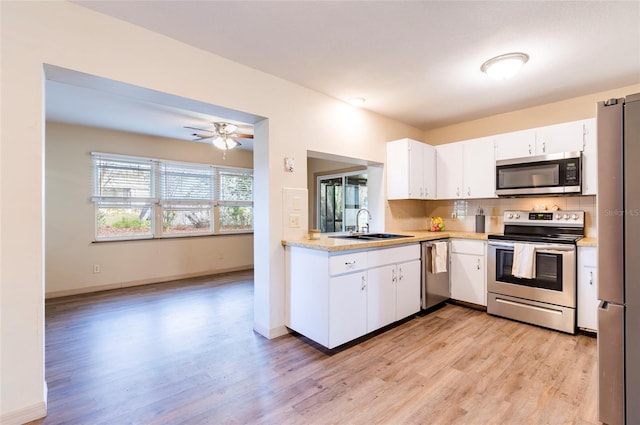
[(588, 288), (333, 299), (392, 293), (468, 274), (347, 308)]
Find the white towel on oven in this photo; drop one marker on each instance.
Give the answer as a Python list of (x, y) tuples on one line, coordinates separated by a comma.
[(524, 261), (439, 257)]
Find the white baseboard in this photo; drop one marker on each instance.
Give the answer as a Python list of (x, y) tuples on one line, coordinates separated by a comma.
[(24, 415), (98, 288)]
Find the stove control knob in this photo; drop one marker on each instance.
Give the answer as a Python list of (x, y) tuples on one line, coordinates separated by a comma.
[(509, 215), (566, 217), (575, 216), (517, 215), (558, 216)]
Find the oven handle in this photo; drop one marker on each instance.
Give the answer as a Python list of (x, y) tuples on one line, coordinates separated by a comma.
[(543, 249), (503, 244)]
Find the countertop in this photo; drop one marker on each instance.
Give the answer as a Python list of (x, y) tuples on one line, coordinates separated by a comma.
[(588, 242), (326, 243)]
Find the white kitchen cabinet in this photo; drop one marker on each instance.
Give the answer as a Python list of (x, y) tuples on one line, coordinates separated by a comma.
[(449, 171), (347, 308), (590, 158), (393, 288), (588, 288), (411, 170), (479, 177), (558, 138), (468, 271), (336, 298), (466, 170), (516, 144)]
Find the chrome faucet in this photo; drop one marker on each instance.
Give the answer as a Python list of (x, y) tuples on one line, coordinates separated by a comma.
[(358, 216)]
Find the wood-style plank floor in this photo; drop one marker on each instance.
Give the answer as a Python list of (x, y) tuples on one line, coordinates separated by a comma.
[(184, 352)]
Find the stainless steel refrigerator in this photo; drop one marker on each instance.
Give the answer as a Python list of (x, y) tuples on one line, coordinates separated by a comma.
[(618, 218)]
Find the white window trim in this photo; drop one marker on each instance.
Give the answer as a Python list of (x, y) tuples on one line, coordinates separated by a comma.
[(158, 204)]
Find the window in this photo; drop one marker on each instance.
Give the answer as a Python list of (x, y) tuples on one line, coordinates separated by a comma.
[(340, 196), (188, 199)]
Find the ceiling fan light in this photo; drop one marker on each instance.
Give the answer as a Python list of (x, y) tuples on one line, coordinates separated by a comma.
[(225, 143), (504, 66)]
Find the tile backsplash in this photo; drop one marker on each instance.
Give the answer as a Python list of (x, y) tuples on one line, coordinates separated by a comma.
[(409, 215)]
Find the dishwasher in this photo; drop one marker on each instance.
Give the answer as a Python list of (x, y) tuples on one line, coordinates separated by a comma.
[(435, 288)]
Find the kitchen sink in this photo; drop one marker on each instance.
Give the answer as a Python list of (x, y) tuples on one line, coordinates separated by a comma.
[(371, 236)]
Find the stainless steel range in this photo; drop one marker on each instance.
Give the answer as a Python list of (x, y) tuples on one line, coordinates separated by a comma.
[(531, 268)]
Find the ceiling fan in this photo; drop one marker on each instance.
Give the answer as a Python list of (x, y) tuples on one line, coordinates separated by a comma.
[(223, 134)]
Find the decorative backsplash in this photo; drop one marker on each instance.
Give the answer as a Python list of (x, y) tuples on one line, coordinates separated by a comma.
[(407, 215)]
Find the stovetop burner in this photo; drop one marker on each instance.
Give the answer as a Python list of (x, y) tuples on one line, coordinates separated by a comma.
[(565, 227)]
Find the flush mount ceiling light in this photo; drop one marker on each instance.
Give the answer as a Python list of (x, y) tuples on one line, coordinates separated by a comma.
[(504, 66), (356, 101)]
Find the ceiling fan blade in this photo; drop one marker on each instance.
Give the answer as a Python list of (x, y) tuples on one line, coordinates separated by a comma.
[(199, 138), (199, 129), (242, 136)]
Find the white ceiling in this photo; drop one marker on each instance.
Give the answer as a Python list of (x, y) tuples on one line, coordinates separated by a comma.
[(416, 62)]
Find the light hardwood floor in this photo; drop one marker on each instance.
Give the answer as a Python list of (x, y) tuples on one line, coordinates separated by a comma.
[(184, 352)]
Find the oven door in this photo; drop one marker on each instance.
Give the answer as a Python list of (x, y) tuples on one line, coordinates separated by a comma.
[(555, 277)]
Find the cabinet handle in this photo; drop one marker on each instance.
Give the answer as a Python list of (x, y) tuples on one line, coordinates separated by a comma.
[(590, 278), (394, 278), (350, 263), (421, 192), (468, 190), (426, 193), (363, 285), (529, 148), (544, 146), (457, 191), (400, 274), (478, 264)]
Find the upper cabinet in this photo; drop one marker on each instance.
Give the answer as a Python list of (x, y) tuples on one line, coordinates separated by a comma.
[(565, 137), (411, 170), (466, 169), (517, 144)]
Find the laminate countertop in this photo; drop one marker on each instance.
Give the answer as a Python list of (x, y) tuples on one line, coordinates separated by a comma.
[(326, 243), (593, 242)]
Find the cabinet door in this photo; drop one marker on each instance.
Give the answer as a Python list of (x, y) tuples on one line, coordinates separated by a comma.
[(468, 278), (347, 308), (587, 288), (590, 158), (398, 169), (408, 289), (517, 144), (449, 171), (381, 296), (429, 172), (479, 168), (416, 169), (565, 137)]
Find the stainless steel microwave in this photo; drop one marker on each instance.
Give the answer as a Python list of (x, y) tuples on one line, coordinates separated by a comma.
[(553, 174)]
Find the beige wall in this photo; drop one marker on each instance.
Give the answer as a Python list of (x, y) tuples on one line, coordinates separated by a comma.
[(553, 113), (69, 217), (70, 36)]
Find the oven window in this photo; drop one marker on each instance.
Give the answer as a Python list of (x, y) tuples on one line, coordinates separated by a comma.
[(548, 270)]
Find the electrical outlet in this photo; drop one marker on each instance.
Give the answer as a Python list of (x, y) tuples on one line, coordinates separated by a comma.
[(96, 268)]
